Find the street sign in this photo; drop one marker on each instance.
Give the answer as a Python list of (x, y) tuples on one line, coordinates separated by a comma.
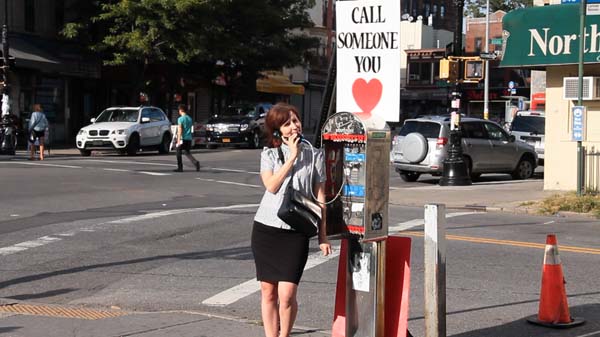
[(593, 9), (578, 1), (497, 41), (577, 128), (488, 56)]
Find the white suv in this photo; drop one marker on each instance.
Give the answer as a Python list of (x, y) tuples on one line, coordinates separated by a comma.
[(529, 127), (126, 130)]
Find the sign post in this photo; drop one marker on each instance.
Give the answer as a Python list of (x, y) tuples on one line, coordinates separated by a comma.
[(580, 166)]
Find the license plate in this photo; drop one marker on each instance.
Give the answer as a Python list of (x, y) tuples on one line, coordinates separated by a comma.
[(97, 143), (226, 140)]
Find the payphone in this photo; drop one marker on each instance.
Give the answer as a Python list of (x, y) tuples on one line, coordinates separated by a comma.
[(357, 154)]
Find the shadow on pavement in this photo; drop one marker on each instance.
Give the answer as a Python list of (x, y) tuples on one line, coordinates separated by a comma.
[(521, 328), (6, 329), (241, 253), (486, 178), (51, 293)]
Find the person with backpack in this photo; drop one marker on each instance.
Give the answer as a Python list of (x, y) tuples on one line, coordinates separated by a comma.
[(38, 123)]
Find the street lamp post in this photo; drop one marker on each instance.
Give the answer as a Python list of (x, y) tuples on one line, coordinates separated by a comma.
[(455, 169)]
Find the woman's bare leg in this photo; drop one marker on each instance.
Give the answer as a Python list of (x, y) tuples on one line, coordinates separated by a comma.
[(41, 139), (288, 307), (268, 307)]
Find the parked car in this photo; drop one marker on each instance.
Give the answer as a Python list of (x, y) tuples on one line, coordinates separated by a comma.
[(239, 124), (126, 130), (529, 127), (422, 146)]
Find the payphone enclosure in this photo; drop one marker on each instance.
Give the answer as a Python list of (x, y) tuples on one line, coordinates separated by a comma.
[(357, 155)]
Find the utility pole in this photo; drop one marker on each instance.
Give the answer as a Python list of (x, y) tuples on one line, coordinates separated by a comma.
[(486, 81), (5, 49)]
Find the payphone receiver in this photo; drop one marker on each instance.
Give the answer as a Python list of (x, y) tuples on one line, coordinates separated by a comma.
[(356, 152)]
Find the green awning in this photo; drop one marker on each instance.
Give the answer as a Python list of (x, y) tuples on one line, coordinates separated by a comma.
[(548, 35)]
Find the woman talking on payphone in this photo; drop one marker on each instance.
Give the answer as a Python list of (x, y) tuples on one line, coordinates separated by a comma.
[(280, 253)]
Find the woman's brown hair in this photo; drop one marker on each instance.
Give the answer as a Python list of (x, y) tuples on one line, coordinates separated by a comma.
[(276, 117)]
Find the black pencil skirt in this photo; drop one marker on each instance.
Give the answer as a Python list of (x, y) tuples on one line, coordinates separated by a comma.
[(279, 254)]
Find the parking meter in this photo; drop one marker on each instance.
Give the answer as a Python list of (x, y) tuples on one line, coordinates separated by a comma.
[(357, 153)]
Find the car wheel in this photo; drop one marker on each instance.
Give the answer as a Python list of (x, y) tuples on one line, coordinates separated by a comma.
[(134, 145), (414, 147), (255, 139), (524, 169), (469, 165), (165, 145), (409, 176), (85, 153)]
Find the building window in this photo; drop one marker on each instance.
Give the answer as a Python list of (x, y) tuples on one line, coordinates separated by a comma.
[(419, 73), (30, 15), (478, 44), (442, 11)]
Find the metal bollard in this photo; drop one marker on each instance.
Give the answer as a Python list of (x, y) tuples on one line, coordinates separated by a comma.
[(435, 270)]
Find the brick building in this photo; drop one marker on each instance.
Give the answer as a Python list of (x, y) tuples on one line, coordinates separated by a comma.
[(500, 96)]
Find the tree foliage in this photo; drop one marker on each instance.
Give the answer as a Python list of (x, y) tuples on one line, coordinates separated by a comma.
[(238, 38), (477, 8)]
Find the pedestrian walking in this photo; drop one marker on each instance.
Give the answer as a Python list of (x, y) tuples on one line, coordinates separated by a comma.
[(184, 139), (38, 124), (280, 253)]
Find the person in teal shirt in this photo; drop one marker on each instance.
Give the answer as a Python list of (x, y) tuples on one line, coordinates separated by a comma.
[(184, 139)]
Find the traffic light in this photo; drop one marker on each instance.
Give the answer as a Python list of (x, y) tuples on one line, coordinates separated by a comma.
[(474, 70), (449, 70)]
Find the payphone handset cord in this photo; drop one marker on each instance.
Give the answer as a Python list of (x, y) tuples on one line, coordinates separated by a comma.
[(312, 170)]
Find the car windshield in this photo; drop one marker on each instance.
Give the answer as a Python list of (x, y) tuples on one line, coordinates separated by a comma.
[(241, 111), (118, 115), (529, 124), (427, 129)]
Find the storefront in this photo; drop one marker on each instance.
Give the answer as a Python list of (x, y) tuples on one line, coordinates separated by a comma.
[(548, 38)]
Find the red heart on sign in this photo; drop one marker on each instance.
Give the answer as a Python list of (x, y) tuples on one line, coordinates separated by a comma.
[(367, 94)]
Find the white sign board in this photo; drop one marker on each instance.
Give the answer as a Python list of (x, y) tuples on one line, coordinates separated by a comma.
[(593, 9), (368, 58)]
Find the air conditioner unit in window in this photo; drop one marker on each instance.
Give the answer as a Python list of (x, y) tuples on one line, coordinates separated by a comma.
[(591, 88)]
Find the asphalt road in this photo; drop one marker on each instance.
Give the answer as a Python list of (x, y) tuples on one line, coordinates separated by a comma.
[(127, 232)]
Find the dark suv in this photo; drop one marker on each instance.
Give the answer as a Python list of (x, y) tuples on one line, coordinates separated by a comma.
[(238, 124)]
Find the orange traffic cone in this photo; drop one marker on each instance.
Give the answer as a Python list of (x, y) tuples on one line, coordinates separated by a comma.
[(554, 309)]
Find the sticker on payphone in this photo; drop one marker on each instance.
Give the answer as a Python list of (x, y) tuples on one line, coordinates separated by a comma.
[(354, 190), (361, 272), (354, 157)]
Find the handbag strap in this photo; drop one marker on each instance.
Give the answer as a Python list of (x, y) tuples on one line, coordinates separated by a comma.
[(282, 159)]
